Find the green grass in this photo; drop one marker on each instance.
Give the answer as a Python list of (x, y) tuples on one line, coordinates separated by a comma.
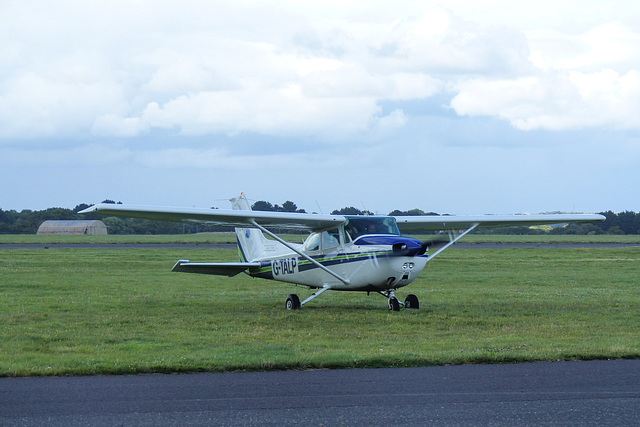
[(104, 311)]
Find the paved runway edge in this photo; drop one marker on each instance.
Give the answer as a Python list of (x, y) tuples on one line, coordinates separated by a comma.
[(563, 393)]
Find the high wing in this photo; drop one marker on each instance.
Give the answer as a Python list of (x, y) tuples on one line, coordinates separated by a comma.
[(315, 222), (445, 222), (225, 217), (219, 268)]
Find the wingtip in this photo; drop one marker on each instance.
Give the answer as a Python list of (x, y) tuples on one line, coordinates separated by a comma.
[(88, 210)]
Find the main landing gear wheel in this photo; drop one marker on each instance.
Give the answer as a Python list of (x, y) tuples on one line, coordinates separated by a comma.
[(394, 304), (411, 302), (293, 302)]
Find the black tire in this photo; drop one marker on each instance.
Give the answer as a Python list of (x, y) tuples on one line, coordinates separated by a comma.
[(292, 303), (411, 302), (394, 304)]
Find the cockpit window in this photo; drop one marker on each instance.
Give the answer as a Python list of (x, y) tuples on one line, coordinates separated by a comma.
[(359, 225)]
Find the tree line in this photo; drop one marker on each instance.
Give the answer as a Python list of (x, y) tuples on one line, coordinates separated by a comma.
[(28, 221)]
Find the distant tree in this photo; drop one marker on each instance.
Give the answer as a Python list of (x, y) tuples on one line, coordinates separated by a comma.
[(411, 212), (351, 211), (610, 221), (589, 229), (7, 220), (615, 230), (115, 225), (289, 206), (262, 205), (626, 222)]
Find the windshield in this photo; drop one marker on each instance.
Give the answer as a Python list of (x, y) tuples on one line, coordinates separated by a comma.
[(359, 225)]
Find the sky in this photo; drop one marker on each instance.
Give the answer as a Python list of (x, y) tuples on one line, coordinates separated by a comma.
[(459, 107)]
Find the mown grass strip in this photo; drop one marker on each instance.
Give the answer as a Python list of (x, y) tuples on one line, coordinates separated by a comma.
[(96, 311)]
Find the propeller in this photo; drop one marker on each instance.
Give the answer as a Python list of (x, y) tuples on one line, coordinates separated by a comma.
[(402, 249), (420, 247)]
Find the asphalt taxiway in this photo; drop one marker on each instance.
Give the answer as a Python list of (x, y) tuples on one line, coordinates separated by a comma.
[(602, 393)]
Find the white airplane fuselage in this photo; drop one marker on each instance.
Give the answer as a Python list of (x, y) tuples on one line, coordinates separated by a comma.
[(366, 267)]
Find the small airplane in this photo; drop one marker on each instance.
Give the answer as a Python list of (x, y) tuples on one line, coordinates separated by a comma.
[(341, 253)]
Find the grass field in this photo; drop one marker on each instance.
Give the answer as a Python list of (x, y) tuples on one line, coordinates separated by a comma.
[(103, 311)]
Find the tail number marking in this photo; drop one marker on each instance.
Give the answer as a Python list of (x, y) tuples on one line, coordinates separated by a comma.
[(284, 266)]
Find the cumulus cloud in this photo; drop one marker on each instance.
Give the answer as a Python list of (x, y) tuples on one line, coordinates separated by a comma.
[(580, 81), (126, 69), (556, 101)]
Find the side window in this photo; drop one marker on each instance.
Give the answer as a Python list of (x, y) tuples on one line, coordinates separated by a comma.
[(312, 243), (330, 240), (326, 240)]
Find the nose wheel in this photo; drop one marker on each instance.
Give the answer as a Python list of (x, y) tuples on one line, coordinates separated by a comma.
[(394, 305)]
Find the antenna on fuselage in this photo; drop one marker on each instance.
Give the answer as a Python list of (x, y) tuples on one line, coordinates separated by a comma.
[(318, 205), (364, 208)]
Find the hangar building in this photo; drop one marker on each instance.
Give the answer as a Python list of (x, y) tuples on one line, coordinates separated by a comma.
[(72, 227)]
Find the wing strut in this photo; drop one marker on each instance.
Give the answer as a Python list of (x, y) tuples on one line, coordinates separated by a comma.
[(452, 241), (302, 254)]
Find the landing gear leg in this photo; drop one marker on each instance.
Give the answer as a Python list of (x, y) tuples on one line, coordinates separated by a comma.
[(394, 304), (293, 302)]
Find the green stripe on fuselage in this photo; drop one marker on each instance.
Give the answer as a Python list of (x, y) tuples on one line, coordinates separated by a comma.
[(305, 265)]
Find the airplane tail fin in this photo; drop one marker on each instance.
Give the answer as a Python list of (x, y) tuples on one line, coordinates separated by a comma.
[(251, 241)]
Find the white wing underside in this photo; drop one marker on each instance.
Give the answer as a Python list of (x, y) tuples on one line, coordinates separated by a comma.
[(446, 222), (223, 217), (315, 222)]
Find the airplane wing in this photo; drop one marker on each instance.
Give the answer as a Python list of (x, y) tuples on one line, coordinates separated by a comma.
[(222, 217), (219, 268), (315, 222), (445, 222)]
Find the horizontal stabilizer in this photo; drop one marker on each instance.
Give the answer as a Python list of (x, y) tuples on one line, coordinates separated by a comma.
[(218, 268)]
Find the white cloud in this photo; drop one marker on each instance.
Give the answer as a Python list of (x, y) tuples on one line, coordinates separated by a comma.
[(585, 80), (117, 126), (608, 45), (188, 68), (36, 105), (556, 101), (392, 121), (274, 111)]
